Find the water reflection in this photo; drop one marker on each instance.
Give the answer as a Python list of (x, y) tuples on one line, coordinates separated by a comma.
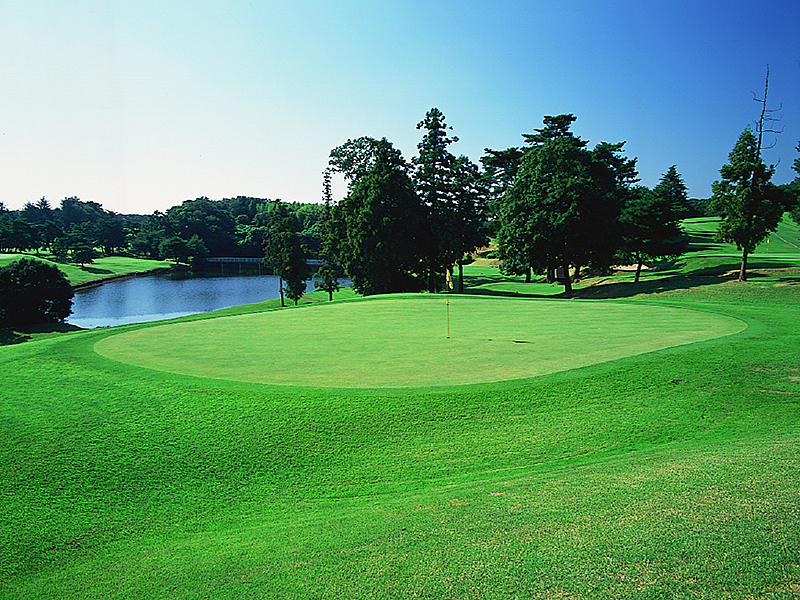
[(159, 297)]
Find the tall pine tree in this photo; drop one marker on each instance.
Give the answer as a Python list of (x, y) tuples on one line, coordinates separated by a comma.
[(751, 206)]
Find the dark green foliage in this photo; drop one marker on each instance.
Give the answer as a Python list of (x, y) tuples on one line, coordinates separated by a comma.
[(331, 270), (211, 221), (672, 189), (793, 191), (33, 292), (382, 227), (174, 248), (455, 194), (554, 127), (355, 158), (563, 207), (750, 204), (83, 254), (650, 228), (500, 169), (284, 254), (24, 236), (149, 234)]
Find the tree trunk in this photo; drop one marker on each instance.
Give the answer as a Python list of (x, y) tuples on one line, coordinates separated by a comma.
[(551, 271), (460, 278), (528, 275), (577, 274), (743, 269), (280, 286), (567, 279)]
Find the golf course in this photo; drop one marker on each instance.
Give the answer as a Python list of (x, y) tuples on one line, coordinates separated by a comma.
[(633, 441)]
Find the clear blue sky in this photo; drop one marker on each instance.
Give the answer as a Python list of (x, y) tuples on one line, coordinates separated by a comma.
[(141, 105)]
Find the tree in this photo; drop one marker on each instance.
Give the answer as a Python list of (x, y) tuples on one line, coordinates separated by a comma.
[(355, 158), (650, 228), (499, 170), (794, 190), (471, 200), (175, 248), (6, 227), (381, 226), (750, 205), (331, 270), (672, 189), (24, 236), (210, 220), (149, 236), (33, 292), (196, 248), (451, 190), (83, 254), (284, 255), (563, 207), (110, 233)]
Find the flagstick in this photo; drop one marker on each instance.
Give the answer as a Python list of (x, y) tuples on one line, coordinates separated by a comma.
[(447, 296), (447, 285)]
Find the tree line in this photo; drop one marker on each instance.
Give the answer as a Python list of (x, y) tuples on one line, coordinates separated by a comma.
[(79, 231), (555, 207)]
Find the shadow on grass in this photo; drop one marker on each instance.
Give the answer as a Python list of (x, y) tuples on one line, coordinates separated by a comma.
[(18, 335), (612, 287), (96, 271)]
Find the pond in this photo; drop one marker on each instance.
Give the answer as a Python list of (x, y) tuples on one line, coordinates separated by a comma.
[(166, 296)]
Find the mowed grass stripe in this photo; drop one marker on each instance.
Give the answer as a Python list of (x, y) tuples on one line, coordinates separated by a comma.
[(401, 341)]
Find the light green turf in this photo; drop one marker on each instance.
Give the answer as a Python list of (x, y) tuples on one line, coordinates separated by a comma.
[(401, 341), (100, 268)]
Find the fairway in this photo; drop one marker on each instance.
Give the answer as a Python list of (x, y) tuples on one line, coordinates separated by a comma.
[(401, 341)]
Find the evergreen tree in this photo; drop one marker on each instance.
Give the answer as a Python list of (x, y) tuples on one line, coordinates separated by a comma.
[(563, 207), (751, 206), (433, 177), (381, 226), (650, 228), (284, 255), (499, 170), (455, 194), (471, 195), (672, 189), (794, 191), (330, 271)]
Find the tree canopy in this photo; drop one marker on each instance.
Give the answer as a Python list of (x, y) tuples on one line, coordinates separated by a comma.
[(33, 292), (563, 206), (382, 226), (751, 206)]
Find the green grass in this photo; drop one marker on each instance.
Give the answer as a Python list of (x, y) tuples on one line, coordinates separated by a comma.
[(667, 474), (401, 341), (100, 268)]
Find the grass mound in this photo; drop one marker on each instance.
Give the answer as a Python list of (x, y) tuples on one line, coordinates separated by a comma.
[(401, 341), (668, 474)]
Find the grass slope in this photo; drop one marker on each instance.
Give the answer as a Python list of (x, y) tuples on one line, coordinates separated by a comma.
[(100, 268), (664, 475)]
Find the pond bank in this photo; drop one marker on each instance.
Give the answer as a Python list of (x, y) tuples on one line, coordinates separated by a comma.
[(98, 282)]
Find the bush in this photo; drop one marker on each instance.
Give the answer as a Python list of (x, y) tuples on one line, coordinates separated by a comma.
[(31, 292)]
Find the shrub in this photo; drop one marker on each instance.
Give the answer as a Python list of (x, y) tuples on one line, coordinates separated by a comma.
[(31, 292)]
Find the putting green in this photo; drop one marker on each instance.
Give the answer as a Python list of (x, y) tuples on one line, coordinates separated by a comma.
[(401, 341)]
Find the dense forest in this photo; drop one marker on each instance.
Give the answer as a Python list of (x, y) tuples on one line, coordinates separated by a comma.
[(554, 207), (78, 230)]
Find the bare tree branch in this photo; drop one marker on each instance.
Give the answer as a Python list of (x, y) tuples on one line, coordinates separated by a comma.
[(768, 118)]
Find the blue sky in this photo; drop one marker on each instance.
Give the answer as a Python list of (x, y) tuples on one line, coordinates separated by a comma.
[(141, 105)]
